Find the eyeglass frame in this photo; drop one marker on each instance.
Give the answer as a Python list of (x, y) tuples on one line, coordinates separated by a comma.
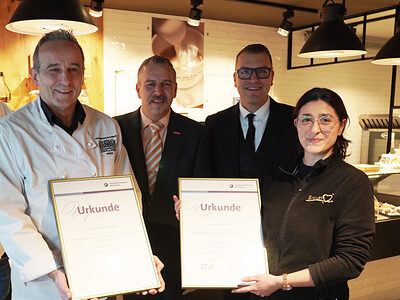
[(318, 120), (254, 70)]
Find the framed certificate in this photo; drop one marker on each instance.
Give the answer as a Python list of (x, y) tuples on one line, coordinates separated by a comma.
[(104, 243), (221, 234)]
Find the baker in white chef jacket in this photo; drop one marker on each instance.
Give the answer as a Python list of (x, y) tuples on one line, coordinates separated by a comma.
[(52, 137), (4, 267)]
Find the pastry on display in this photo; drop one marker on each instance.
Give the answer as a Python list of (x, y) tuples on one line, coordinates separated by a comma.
[(388, 209)]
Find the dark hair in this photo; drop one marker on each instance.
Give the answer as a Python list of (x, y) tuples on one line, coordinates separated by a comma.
[(334, 100), (254, 49), (156, 59), (56, 35)]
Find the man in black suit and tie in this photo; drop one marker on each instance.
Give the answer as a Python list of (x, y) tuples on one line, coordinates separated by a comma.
[(254, 137), (162, 146)]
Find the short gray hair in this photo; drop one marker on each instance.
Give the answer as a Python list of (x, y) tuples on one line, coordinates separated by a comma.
[(159, 60), (56, 35)]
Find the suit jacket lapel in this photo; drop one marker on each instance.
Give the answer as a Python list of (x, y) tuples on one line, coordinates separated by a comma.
[(235, 133), (172, 147), (272, 130), (139, 162)]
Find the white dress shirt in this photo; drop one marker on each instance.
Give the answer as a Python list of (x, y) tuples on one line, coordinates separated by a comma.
[(260, 121)]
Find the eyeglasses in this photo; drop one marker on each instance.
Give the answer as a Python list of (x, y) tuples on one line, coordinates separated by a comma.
[(325, 122), (261, 72)]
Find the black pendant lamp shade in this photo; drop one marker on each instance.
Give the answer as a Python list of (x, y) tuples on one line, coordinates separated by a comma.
[(390, 52), (36, 17), (333, 38)]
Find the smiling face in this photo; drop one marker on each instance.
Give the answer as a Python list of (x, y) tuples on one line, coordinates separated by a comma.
[(60, 76), (253, 91), (156, 88), (318, 140)]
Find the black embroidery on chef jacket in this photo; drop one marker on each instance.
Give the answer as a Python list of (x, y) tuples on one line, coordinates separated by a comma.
[(107, 144)]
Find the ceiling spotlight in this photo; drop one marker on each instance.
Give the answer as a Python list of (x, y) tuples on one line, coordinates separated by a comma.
[(38, 17), (195, 13), (96, 8), (390, 52), (286, 25), (333, 38)]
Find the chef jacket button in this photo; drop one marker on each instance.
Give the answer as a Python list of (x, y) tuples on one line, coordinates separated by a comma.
[(56, 147), (89, 144), (62, 176), (93, 174)]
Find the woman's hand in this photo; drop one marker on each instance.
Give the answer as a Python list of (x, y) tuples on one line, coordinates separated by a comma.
[(264, 285), (178, 206)]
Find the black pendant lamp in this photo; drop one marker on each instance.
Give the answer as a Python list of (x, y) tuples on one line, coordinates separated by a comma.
[(390, 52), (333, 38), (36, 17)]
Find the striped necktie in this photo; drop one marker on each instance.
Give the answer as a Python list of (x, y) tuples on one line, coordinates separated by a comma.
[(153, 154)]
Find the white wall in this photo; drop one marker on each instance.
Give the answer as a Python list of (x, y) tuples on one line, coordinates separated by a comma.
[(365, 88)]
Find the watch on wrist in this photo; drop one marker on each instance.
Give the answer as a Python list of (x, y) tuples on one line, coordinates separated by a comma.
[(285, 285)]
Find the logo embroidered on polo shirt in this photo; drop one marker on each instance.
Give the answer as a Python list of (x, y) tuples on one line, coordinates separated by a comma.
[(107, 144), (325, 198)]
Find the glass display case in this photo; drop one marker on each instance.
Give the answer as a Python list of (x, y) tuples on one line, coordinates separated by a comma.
[(387, 205)]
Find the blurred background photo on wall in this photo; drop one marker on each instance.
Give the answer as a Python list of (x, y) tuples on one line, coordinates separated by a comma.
[(183, 44)]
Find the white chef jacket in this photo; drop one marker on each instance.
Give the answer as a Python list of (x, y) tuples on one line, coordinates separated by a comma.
[(3, 111), (32, 152)]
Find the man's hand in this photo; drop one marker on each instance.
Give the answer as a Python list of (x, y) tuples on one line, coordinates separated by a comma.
[(159, 266), (60, 280), (178, 206)]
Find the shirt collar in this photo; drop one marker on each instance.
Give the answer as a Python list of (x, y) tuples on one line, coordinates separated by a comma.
[(261, 113), (79, 117), (146, 120)]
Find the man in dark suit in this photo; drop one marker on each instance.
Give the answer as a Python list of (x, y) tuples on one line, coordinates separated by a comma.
[(254, 137), (175, 141)]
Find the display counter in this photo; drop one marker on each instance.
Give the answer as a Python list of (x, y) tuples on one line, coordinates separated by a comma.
[(387, 191)]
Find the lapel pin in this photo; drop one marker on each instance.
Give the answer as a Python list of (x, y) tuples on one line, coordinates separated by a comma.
[(176, 132)]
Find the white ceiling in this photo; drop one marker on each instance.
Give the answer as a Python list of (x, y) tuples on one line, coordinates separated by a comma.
[(241, 12)]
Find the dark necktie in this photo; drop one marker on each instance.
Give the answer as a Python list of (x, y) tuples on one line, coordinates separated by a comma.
[(250, 133)]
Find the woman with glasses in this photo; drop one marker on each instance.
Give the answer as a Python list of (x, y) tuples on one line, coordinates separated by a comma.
[(318, 219)]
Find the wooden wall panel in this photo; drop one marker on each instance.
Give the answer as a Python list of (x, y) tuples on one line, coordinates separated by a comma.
[(92, 45), (15, 50)]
